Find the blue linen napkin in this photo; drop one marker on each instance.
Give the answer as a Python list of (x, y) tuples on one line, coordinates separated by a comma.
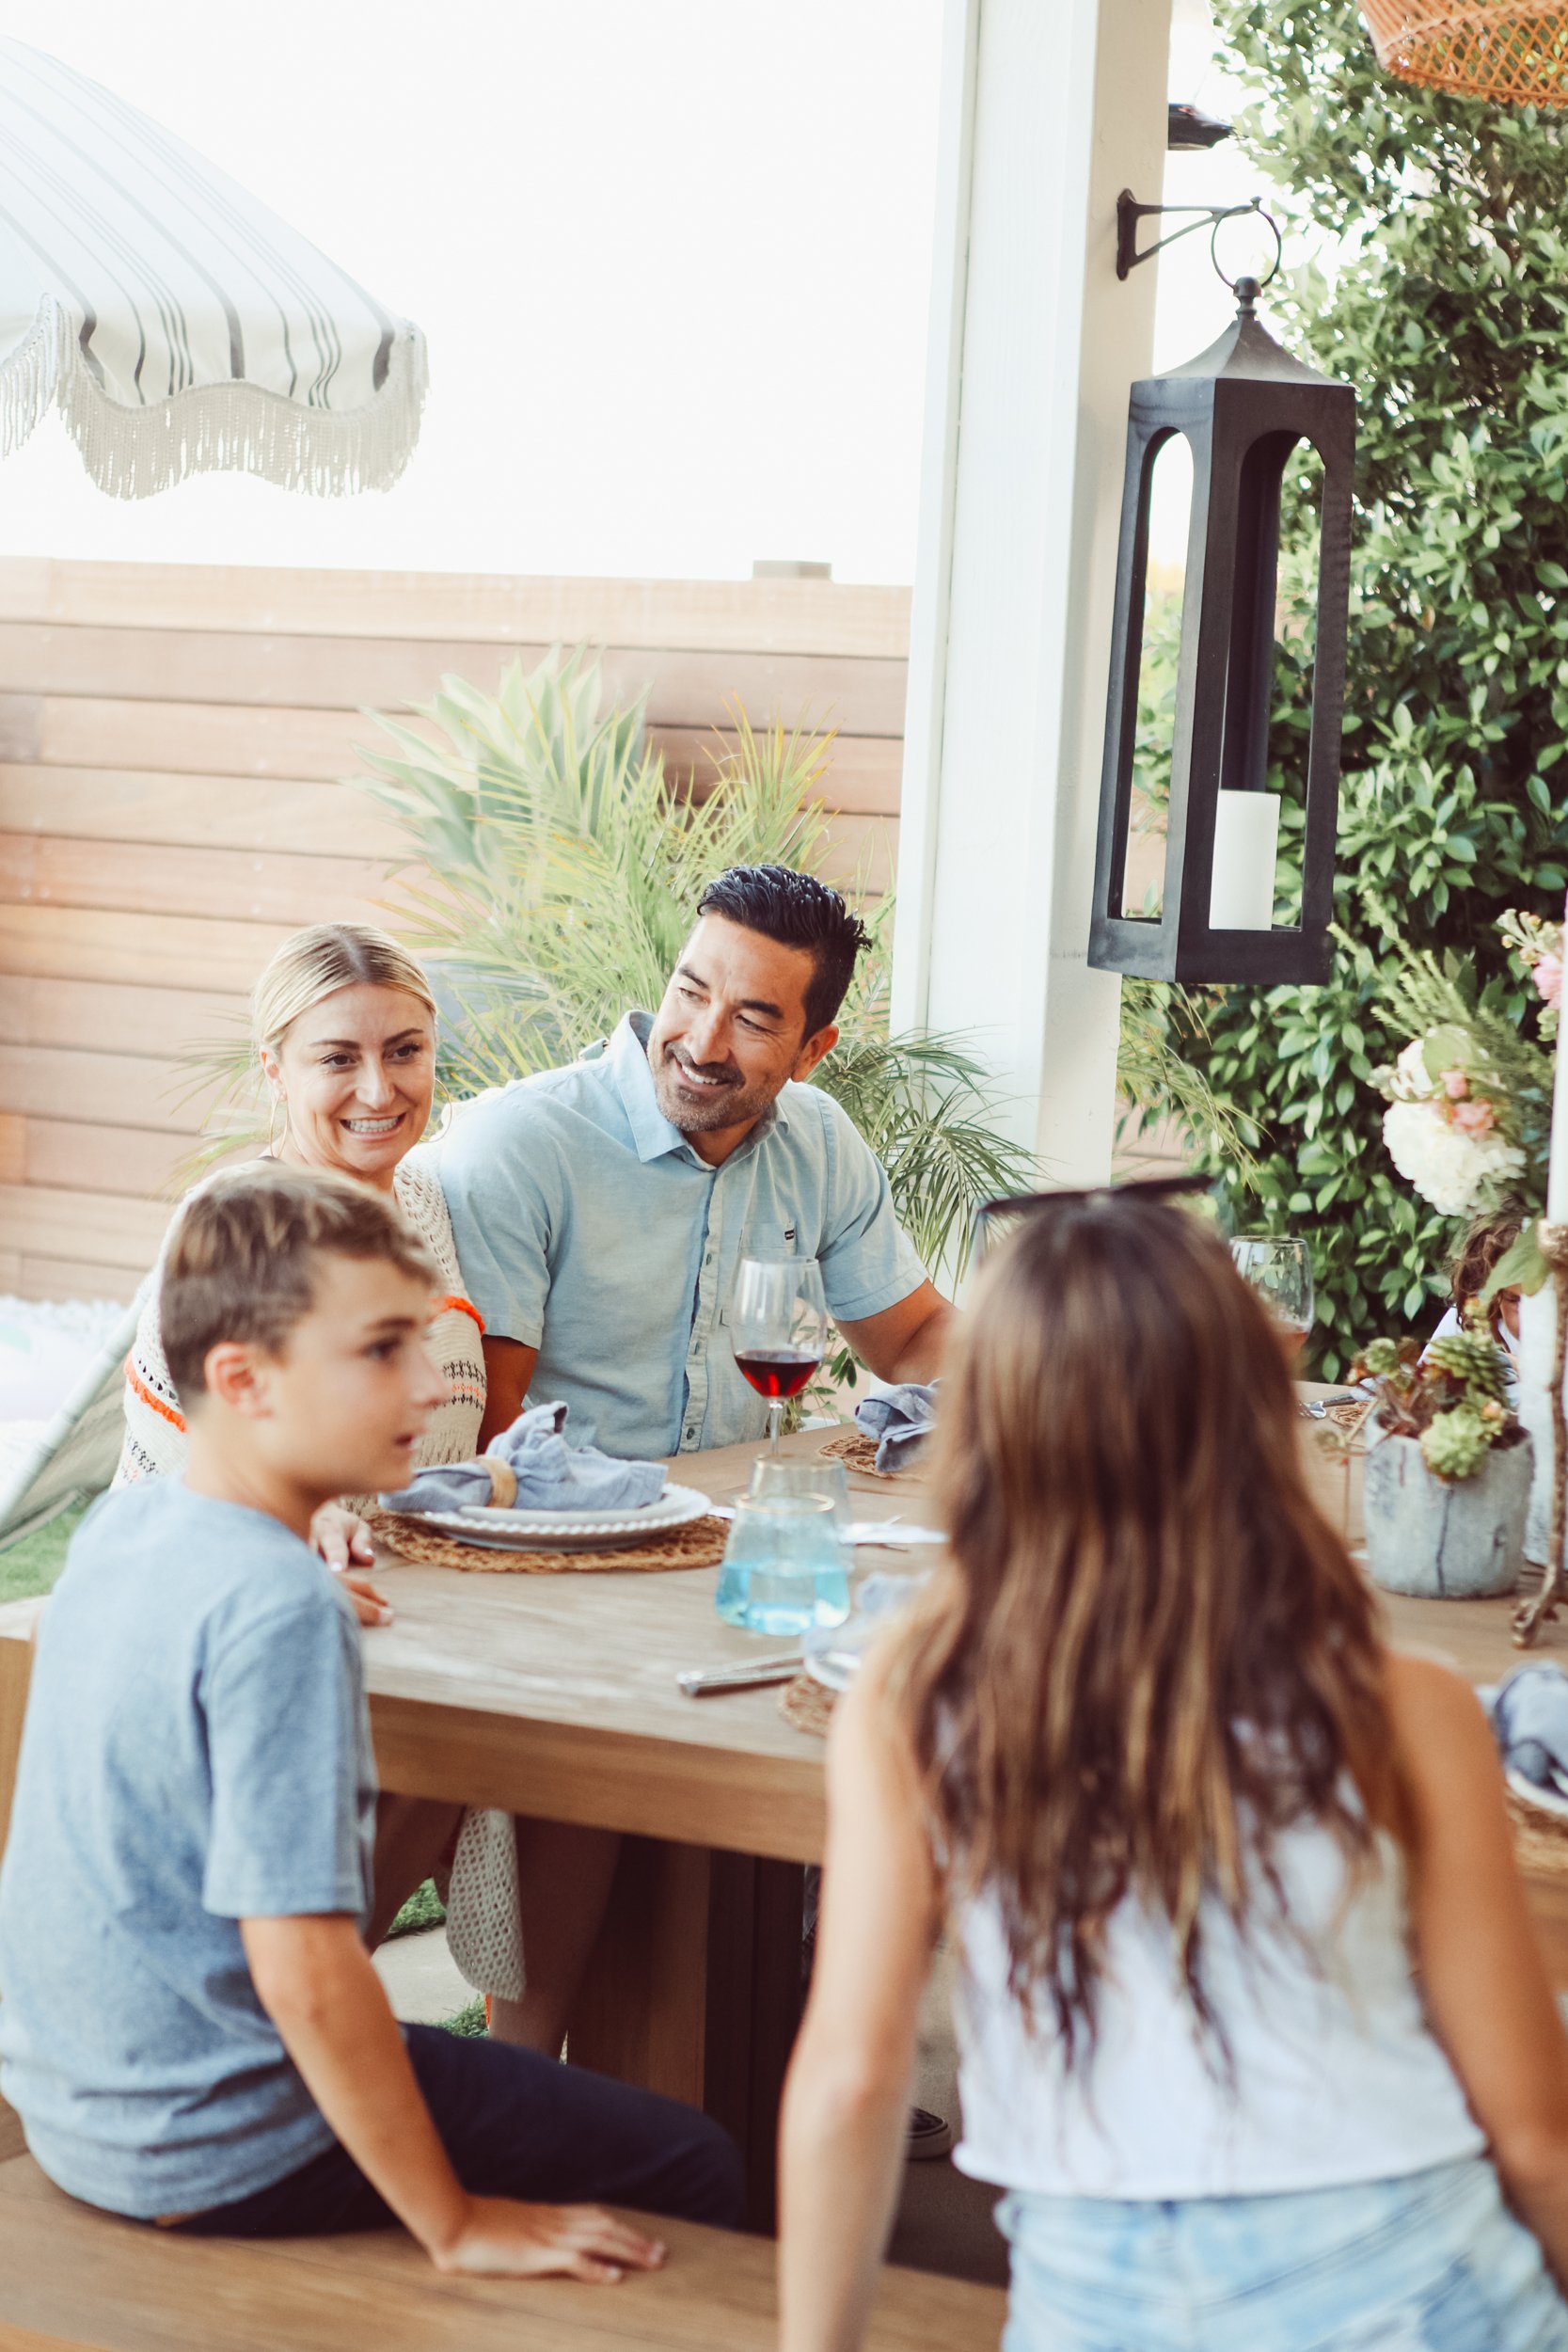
[(551, 1475), (1529, 1723), (900, 1419)]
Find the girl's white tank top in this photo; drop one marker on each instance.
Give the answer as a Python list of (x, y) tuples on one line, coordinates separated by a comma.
[(1335, 2074)]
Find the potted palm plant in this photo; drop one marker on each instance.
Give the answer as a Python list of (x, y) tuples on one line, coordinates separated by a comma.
[(1449, 1469)]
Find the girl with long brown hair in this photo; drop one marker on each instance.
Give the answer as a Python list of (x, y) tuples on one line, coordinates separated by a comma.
[(1251, 2017)]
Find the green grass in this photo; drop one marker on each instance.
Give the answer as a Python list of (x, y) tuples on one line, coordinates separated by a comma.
[(424, 1908), (470, 2020), (33, 1564)]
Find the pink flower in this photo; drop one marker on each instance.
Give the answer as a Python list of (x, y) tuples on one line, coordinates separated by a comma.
[(1456, 1085), (1548, 977), (1475, 1119)]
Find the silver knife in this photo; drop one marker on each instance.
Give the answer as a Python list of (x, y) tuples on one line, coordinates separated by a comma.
[(697, 1681)]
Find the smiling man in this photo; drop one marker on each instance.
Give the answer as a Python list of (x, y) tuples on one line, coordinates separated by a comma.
[(600, 1210)]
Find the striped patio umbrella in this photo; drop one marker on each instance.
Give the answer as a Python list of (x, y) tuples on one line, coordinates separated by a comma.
[(179, 326)]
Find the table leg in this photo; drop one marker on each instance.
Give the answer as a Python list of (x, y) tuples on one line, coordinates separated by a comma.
[(694, 1990), (16, 1670)]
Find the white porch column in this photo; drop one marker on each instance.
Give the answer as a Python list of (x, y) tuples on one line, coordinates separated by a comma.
[(1052, 106)]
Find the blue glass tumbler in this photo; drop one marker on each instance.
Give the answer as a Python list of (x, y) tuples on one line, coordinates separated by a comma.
[(786, 1567)]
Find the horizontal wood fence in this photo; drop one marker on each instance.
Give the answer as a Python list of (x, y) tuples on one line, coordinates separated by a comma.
[(177, 752)]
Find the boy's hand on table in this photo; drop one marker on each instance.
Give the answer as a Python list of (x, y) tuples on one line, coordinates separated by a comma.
[(499, 2237), (344, 1542)]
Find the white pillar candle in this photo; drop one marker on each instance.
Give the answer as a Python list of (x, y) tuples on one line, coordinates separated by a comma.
[(1246, 848)]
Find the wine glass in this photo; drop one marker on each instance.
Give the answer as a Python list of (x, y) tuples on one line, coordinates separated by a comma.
[(1281, 1271), (778, 1328)]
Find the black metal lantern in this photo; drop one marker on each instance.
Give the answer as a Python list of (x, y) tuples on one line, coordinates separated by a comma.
[(1243, 406)]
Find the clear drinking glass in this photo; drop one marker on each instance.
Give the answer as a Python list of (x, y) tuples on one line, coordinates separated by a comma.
[(1280, 1270), (774, 1478), (785, 1567), (778, 1328)]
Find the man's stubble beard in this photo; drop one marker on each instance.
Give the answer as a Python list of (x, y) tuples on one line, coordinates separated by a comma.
[(731, 1107)]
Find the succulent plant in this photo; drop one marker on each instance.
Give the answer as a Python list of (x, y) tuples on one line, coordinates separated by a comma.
[(1474, 1360), (1452, 1397), (1456, 1445)]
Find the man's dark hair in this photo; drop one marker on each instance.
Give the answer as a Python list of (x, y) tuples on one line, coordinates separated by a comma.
[(798, 910)]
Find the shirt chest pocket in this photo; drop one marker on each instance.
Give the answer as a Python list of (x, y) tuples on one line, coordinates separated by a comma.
[(773, 1237)]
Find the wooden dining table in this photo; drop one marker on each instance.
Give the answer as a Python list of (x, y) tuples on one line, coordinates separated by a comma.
[(556, 1695)]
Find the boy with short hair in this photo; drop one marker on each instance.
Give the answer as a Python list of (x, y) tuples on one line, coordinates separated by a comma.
[(191, 2029)]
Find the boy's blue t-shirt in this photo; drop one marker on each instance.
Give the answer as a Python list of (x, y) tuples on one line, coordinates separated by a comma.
[(197, 1751)]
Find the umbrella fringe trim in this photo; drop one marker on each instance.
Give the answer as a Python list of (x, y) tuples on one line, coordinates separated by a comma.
[(236, 428), (30, 377)]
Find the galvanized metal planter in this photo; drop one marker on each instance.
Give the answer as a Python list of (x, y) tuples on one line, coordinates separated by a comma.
[(1462, 1540)]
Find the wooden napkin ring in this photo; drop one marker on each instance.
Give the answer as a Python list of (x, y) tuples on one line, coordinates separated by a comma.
[(503, 1483)]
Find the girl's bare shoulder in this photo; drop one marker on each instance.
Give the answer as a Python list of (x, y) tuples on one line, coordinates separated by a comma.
[(1439, 1726)]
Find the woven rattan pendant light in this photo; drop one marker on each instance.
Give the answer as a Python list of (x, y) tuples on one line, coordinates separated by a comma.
[(1515, 51)]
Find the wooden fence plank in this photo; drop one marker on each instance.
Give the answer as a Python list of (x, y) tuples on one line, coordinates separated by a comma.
[(139, 950), (207, 739), (90, 1017), (805, 616), (109, 1229), (249, 886), (862, 772), (686, 687), (72, 1155), (123, 1089), (318, 819), (70, 1277), (222, 812), (201, 739)]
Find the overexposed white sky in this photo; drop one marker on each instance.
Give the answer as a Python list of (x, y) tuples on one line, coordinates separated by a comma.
[(672, 258), (671, 255)]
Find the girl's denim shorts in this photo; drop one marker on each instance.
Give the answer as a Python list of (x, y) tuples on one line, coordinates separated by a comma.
[(1433, 2262)]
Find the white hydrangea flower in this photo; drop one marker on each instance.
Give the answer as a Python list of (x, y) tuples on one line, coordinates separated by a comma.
[(1413, 1081), (1453, 1170)]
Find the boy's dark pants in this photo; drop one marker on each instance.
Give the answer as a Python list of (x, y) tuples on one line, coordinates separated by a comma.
[(514, 2124)]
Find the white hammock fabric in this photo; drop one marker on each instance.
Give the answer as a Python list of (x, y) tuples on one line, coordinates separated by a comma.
[(179, 326)]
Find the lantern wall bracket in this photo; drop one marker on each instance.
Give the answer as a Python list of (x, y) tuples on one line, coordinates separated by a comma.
[(1130, 212)]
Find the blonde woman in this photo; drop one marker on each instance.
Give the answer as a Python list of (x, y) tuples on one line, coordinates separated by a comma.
[(344, 1024), (1254, 2029)]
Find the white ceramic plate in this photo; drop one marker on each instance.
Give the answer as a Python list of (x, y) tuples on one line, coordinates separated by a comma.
[(572, 1530), (1543, 1800)]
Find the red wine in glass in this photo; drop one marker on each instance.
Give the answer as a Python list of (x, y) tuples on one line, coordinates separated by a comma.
[(778, 1372), (778, 1328)]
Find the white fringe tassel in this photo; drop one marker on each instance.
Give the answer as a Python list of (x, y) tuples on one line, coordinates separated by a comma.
[(30, 377), (217, 428)]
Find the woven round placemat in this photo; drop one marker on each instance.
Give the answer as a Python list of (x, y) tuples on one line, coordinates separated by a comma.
[(857, 1454), (698, 1545), (807, 1704), (1540, 1838)]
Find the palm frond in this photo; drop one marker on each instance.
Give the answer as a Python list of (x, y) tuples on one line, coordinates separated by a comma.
[(1157, 1081)]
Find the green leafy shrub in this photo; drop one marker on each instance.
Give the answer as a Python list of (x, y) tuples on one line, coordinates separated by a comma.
[(1441, 292)]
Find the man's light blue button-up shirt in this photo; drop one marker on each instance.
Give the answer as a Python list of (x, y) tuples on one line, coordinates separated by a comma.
[(587, 1227)]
